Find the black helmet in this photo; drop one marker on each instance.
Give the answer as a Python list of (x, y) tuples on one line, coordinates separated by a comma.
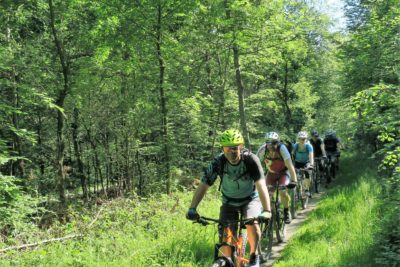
[(314, 133)]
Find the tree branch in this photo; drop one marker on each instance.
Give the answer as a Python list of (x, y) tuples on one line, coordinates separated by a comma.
[(40, 243)]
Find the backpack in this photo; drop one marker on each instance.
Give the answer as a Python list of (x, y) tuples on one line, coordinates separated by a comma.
[(245, 155), (288, 145)]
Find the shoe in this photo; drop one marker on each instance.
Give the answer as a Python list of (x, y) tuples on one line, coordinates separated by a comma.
[(220, 262), (254, 260), (286, 216)]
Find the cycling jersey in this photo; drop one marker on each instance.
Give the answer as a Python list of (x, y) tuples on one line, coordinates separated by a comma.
[(331, 144), (317, 147), (238, 182), (302, 154), (274, 160)]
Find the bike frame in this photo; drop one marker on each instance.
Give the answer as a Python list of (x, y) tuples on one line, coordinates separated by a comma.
[(318, 172), (277, 212), (235, 242), (300, 188)]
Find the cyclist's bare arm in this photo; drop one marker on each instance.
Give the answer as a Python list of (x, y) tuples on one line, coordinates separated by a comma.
[(290, 167), (199, 194), (263, 193), (311, 157), (323, 149)]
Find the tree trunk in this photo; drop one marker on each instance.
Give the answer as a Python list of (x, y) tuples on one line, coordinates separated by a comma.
[(285, 94), (220, 102), (141, 178), (19, 169), (239, 81), (163, 101), (240, 87), (60, 116), (40, 145), (80, 173)]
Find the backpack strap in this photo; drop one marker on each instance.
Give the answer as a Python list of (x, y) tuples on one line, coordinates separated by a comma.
[(221, 166), (220, 170), (279, 149)]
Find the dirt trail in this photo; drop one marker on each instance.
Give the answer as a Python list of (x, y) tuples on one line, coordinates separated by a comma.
[(277, 248)]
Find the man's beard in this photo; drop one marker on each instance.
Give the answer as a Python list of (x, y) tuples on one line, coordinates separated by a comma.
[(233, 157)]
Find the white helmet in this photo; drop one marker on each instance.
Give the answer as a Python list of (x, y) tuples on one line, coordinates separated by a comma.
[(271, 137), (302, 134)]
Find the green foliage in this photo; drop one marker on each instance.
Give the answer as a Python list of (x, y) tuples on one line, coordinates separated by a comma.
[(134, 232), (18, 210), (377, 110)]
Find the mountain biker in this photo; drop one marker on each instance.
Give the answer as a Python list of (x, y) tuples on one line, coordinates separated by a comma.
[(303, 154), (279, 165), (243, 189), (319, 149), (332, 147)]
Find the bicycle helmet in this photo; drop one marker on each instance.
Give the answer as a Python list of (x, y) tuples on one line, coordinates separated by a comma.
[(314, 133), (302, 134), (272, 137), (330, 132), (231, 137)]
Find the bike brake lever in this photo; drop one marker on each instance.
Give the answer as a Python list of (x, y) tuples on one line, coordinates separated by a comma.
[(201, 221)]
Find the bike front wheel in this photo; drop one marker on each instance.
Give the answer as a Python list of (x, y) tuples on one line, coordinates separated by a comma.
[(303, 198), (317, 180), (293, 203), (280, 227), (265, 245), (222, 262)]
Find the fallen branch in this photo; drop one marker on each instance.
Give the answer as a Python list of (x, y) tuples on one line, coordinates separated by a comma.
[(52, 239), (40, 243), (95, 218)]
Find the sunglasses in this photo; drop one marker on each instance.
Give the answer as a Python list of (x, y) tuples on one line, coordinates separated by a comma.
[(231, 148), (271, 143)]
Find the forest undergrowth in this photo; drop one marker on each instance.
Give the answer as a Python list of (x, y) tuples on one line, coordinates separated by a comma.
[(136, 231)]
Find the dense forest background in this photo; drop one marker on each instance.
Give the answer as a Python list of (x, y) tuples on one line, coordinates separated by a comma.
[(101, 99)]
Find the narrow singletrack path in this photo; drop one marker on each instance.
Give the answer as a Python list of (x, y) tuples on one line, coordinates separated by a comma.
[(302, 215)]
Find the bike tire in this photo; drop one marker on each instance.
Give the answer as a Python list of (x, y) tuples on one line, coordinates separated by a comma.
[(221, 262), (317, 180), (280, 227), (304, 199), (244, 243), (333, 171), (327, 174), (293, 203), (265, 246)]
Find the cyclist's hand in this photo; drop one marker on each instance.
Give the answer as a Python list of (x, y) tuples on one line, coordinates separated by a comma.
[(192, 214), (265, 215), (292, 184)]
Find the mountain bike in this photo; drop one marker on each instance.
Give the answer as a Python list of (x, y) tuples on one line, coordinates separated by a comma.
[(294, 199), (318, 173), (237, 242), (278, 221), (303, 193), (331, 167)]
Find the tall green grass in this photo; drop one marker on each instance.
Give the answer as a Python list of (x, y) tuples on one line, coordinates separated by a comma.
[(154, 232), (149, 232), (342, 230)]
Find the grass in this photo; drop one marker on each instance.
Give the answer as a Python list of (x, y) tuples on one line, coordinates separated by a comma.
[(342, 230), (154, 232)]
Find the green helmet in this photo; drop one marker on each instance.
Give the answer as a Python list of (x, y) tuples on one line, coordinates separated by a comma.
[(231, 138)]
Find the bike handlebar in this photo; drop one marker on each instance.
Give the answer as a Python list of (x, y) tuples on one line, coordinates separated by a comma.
[(206, 221)]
